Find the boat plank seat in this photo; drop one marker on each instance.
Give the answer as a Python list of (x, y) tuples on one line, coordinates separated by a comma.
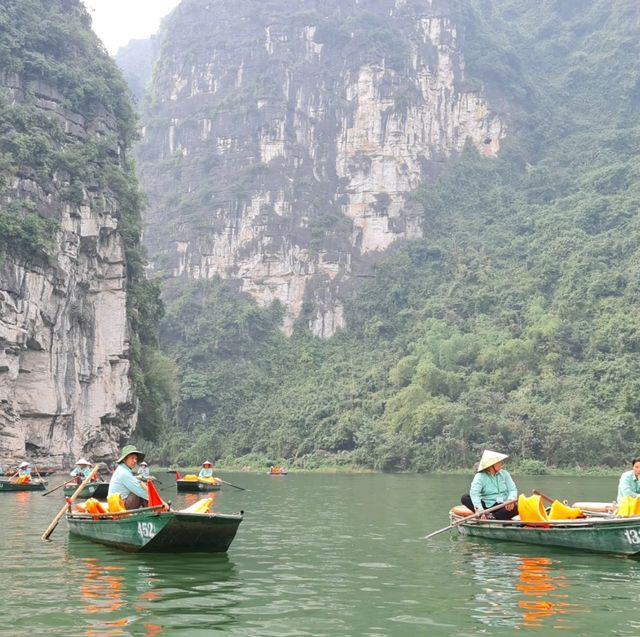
[(594, 507)]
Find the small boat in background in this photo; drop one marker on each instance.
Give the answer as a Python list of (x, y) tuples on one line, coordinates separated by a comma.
[(277, 471), (32, 485), (46, 471), (98, 489), (192, 483)]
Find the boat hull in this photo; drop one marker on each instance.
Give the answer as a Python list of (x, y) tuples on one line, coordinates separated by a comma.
[(34, 485), (620, 536), (196, 486), (153, 531), (92, 490)]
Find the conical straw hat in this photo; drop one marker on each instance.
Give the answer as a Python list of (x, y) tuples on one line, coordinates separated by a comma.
[(489, 458), (83, 461)]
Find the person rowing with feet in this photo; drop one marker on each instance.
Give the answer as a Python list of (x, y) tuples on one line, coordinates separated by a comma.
[(492, 485)]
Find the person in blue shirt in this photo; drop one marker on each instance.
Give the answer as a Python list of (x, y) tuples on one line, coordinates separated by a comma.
[(81, 471), (207, 470), (143, 471), (630, 481), (134, 493), (492, 485)]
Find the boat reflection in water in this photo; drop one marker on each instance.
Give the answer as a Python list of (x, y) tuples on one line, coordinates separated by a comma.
[(126, 594), (521, 591), (543, 594)]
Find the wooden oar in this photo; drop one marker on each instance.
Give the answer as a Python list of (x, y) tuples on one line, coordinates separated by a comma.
[(64, 484), (477, 514), (68, 503), (39, 476), (546, 497), (235, 486)]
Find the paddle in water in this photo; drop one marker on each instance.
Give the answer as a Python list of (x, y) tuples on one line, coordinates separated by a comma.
[(477, 514), (68, 503), (235, 486), (64, 484)]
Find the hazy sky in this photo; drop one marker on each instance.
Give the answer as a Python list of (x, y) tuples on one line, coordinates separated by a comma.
[(118, 21)]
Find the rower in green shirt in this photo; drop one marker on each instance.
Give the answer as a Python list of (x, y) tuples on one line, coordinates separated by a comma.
[(630, 481), (492, 485)]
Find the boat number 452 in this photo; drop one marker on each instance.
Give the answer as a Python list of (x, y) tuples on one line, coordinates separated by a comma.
[(145, 529), (633, 537)]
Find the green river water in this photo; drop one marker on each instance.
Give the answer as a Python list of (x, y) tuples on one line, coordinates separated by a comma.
[(320, 555)]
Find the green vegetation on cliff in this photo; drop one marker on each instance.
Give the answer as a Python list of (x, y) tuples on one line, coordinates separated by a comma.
[(66, 124), (514, 324)]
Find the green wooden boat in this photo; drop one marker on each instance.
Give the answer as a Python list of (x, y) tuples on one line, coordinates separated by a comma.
[(34, 485), (154, 530), (197, 486), (610, 534), (92, 490)]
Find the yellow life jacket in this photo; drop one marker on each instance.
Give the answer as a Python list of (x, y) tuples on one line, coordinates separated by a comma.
[(629, 506), (560, 511), (531, 509)]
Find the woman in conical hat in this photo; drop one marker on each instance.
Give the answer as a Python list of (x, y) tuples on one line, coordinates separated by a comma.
[(81, 470), (207, 469), (492, 485)]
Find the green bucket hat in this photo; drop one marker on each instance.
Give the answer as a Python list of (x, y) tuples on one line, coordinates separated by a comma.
[(128, 450)]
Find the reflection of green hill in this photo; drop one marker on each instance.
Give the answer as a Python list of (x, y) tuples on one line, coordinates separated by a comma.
[(514, 324)]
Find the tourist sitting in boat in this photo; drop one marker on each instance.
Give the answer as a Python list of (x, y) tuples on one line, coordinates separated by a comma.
[(133, 492), (81, 470), (207, 470), (492, 485), (143, 471), (24, 473), (629, 484)]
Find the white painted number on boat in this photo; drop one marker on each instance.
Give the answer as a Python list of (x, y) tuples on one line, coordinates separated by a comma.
[(633, 537), (145, 529)]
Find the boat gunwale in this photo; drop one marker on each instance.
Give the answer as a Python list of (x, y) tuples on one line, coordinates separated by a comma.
[(155, 510), (549, 524)]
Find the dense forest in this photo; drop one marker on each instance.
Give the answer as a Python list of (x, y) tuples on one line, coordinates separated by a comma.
[(512, 325)]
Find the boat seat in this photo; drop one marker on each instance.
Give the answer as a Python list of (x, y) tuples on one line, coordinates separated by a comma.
[(594, 507)]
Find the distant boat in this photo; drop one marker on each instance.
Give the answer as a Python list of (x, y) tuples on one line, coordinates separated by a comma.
[(34, 485), (277, 471), (153, 530), (198, 484), (46, 471), (92, 490)]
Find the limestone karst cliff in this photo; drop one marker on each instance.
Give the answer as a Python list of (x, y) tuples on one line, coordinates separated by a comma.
[(283, 140), (65, 388)]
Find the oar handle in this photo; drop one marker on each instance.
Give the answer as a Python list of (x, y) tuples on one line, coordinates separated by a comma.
[(68, 503), (477, 514), (545, 497)]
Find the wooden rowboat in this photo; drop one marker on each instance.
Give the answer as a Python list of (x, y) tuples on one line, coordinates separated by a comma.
[(92, 490), (154, 530), (610, 534), (34, 485), (197, 485)]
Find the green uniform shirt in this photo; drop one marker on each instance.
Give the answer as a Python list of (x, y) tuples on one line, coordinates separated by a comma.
[(628, 485), (492, 489)]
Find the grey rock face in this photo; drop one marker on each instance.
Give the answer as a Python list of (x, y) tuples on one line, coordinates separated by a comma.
[(282, 141), (64, 338)]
